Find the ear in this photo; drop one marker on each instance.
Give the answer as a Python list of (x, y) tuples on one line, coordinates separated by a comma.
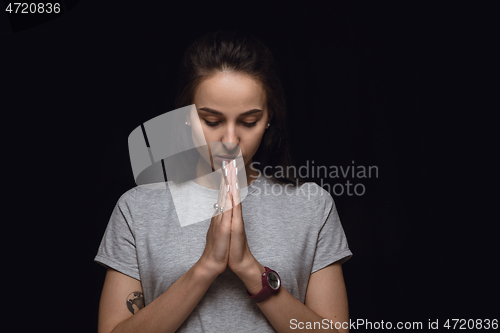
[(268, 124)]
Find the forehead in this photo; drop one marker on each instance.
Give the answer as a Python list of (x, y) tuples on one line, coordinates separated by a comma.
[(230, 92)]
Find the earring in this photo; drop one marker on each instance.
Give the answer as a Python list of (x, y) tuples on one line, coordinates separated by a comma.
[(186, 122), (268, 125)]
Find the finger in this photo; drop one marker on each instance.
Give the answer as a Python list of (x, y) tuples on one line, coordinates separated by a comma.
[(225, 170), (237, 219), (226, 216), (236, 201), (225, 187), (221, 196), (237, 188), (227, 200), (233, 181), (228, 174)]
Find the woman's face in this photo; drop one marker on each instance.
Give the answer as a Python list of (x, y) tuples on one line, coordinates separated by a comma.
[(233, 114)]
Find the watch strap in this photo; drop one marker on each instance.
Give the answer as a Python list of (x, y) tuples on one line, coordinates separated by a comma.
[(266, 290)]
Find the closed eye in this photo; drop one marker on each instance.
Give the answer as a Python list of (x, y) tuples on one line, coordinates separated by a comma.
[(216, 123), (249, 124), (212, 124)]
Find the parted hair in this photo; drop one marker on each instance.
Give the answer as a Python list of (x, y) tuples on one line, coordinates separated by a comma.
[(242, 53)]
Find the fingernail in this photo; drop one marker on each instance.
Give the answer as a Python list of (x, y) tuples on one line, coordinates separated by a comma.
[(227, 188), (236, 185), (223, 164), (225, 172), (234, 163), (236, 170)]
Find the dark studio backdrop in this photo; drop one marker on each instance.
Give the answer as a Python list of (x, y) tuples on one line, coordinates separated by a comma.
[(362, 88)]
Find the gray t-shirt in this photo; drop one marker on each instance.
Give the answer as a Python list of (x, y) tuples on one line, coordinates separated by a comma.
[(295, 231)]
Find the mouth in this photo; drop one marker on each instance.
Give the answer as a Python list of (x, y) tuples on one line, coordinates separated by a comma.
[(227, 158)]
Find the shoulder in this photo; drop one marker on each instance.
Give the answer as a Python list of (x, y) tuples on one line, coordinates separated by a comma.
[(127, 197), (308, 196), (141, 194), (151, 191), (317, 196), (304, 191)]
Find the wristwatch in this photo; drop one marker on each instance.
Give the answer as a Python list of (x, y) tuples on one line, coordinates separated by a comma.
[(271, 282)]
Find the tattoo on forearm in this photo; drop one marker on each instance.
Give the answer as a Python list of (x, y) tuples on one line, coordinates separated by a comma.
[(135, 301)]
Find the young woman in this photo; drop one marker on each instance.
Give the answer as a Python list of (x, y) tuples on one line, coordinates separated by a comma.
[(268, 263)]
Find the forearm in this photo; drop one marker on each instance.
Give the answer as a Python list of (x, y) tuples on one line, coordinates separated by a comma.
[(283, 310), (168, 311)]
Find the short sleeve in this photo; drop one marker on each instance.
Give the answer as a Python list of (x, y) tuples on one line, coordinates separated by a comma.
[(118, 247), (332, 242)]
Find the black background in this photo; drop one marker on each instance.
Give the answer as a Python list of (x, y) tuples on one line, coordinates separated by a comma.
[(369, 82)]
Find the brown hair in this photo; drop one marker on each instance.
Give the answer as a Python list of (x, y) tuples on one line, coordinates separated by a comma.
[(242, 53)]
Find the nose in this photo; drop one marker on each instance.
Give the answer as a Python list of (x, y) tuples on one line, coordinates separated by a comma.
[(230, 138)]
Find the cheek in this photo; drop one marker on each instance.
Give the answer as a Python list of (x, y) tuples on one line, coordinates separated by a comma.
[(198, 134), (251, 143), (198, 138)]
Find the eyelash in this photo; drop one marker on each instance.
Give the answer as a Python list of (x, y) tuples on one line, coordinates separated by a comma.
[(213, 124)]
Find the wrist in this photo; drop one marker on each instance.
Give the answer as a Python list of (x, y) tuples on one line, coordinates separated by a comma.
[(252, 277), (206, 271)]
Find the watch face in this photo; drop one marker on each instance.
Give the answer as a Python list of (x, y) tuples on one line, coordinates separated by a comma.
[(273, 280)]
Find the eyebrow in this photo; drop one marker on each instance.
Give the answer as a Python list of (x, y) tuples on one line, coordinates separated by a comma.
[(246, 113)]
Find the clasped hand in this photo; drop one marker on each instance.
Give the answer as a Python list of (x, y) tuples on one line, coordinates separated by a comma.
[(226, 238)]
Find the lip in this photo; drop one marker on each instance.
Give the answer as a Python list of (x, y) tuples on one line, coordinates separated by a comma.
[(226, 157)]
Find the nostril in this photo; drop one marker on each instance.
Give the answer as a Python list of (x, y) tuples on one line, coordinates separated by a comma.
[(232, 148)]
